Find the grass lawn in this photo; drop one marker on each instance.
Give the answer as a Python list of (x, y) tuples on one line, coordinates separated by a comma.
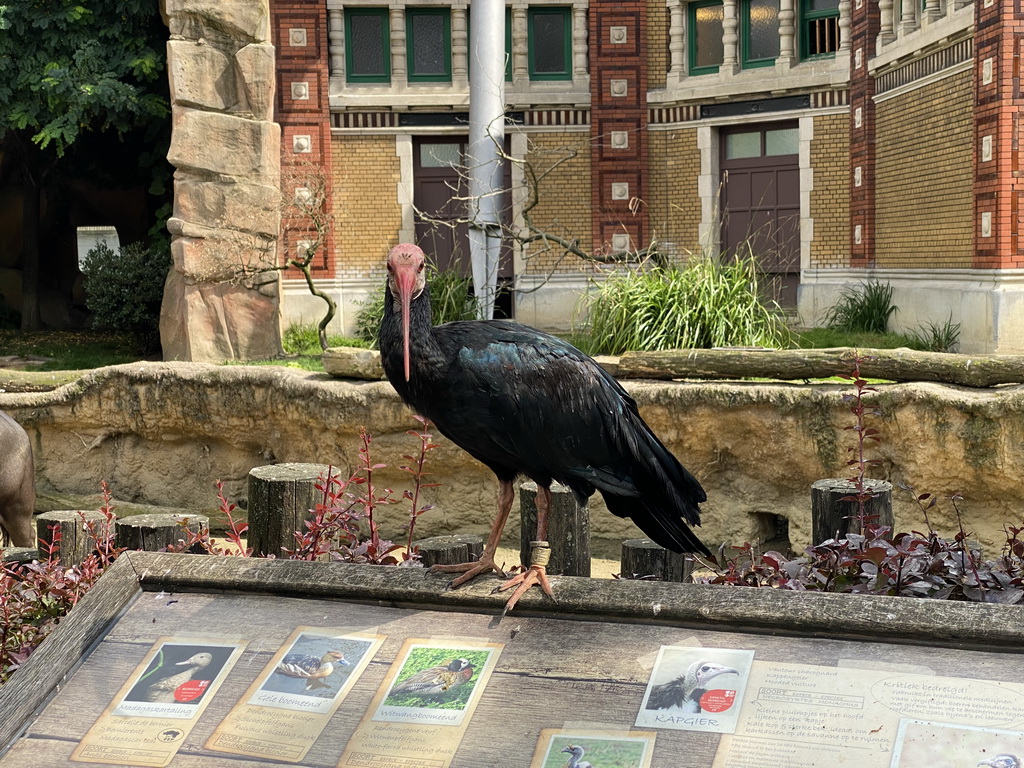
[(81, 350)]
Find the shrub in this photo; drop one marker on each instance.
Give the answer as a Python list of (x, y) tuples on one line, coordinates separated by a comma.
[(937, 338), (124, 291), (707, 303), (304, 339), (866, 307), (450, 299)]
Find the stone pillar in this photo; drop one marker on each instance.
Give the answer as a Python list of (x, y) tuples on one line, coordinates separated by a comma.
[(399, 70), (844, 25), (677, 39), (887, 31), (225, 148), (460, 46), (908, 16), (787, 32), (932, 10), (336, 41), (520, 45), (579, 43), (730, 37)]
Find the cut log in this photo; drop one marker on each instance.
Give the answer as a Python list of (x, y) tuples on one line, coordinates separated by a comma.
[(19, 555), (76, 542), (450, 550), (644, 559), (281, 498), (793, 364), (833, 518), (155, 533), (568, 530)]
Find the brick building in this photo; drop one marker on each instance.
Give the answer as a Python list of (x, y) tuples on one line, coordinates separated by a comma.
[(841, 140)]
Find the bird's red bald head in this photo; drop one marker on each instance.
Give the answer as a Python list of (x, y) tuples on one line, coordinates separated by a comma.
[(406, 281)]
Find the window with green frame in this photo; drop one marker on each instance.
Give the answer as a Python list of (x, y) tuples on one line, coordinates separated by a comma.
[(759, 25), (368, 49), (819, 28), (428, 34), (550, 43), (705, 36)]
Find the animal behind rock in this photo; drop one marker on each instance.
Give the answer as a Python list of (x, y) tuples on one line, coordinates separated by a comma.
[(17, 484)]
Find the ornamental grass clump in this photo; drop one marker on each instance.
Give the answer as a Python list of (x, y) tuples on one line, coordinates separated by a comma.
[(707, 303), (863, 308)]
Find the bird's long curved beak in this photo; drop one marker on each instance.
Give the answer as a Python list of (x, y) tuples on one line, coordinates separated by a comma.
[(405, 282)]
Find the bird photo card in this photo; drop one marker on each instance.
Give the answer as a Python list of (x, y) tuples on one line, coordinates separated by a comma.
[(155, 710), (696, 689), (563, 748), (424, 705), (922, 744), (290, 703)]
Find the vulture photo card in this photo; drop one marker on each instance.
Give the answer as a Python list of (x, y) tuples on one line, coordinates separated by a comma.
[(287, 707), (696, 689), (156, 709), (558, 748)]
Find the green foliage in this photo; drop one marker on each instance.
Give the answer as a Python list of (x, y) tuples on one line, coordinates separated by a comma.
[(124, 291), (937, 338), (866, 307), (71, 67), (450, 299), (424, 658), (706, 303), (827, 338), (304, 339)]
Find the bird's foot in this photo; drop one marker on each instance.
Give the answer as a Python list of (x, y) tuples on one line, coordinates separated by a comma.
[(535, 575), (469, 570)]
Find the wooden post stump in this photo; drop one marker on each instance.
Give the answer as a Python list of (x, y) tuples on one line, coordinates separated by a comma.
[(644, 559), (450, 550), (157, 532), (281, 499), (18, 555), (833, 518), (75, 541), (568, 529)]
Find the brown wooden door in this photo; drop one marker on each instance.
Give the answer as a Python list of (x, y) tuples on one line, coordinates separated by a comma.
[(439, 193), (761, 203)]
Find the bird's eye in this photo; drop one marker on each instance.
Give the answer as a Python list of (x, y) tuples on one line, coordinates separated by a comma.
[(422, 265)]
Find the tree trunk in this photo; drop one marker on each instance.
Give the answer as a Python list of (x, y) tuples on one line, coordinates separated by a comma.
[(792, 364)]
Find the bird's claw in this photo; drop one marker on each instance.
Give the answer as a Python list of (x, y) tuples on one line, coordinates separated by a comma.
[(469, 570), (535, 575)]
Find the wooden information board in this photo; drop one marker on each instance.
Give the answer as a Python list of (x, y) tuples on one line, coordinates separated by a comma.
[(198, 661)]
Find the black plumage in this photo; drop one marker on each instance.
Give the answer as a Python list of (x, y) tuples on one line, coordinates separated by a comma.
[(527, 403)]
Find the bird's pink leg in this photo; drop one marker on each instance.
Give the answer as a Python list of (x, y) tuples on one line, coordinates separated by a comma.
[(485, 563), (540, 550)]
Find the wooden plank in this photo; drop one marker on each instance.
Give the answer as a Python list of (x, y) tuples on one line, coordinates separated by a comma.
[(65, 648), (792, 364), (570, 671), (697, 605)]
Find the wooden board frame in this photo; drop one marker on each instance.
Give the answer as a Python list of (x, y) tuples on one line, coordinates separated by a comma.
[(974, 626)]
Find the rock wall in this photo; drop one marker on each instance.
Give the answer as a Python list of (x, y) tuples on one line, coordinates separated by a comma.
[(226, 149), (163, 433)]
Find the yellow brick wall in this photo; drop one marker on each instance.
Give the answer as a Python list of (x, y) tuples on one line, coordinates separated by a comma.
[(673, 203), (367, 216), (564, 207), (830, 198), (924, 174), (657, 44)]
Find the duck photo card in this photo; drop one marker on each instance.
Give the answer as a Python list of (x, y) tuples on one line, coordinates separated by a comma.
[(696, 689), (157, 707), (424, 705), (290, 703)]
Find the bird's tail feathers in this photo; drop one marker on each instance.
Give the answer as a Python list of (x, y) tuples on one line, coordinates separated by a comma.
[(663, 526)]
